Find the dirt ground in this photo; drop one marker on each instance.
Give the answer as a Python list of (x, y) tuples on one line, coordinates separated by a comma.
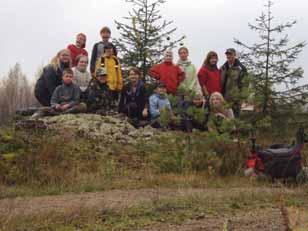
[(261, 219)]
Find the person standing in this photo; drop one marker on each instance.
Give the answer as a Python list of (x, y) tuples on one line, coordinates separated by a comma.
[(209, 75), (168, 73), (99, 47), (232, 75), (78, 48), (191, 81)]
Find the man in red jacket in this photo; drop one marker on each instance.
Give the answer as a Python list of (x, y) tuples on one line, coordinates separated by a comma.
[(78, 48), (209, 75), (168, 73)]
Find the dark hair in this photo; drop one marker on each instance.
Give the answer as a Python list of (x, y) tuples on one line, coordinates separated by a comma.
[(105, 29), (80, 57), (135, 70), (160, 85), (208, 58), (67, 71), (183, 48)]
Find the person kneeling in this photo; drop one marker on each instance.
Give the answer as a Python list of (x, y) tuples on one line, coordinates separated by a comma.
[(65, 98), (99, 97), (160, 107)]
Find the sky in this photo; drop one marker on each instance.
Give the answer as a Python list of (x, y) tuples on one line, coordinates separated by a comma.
[(33, 31)]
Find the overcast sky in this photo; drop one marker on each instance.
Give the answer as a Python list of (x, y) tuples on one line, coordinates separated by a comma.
[(33, 31)]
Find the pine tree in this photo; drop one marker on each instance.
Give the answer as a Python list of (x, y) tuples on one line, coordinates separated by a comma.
[(146, 35), (271, 61)]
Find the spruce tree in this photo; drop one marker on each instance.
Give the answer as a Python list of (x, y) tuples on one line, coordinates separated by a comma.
[(145, 35), (271, 61)]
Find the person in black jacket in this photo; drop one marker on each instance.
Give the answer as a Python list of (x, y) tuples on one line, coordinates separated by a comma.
[(233, 73), (98, 48), (133, 100), (51, 77)]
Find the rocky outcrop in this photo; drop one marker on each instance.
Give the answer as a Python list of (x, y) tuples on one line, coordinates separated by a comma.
[(108, 129)]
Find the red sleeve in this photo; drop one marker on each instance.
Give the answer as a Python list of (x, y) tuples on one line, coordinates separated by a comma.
[(202, 76), (85, 52), (154, 72)]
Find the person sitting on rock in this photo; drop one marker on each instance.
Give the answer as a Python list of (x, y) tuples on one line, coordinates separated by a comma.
[(111, 64), (78, 48), (168, 73), (99, 98), (220, 114), (82, 77), (194, 113), (160, 106), (133, 100), (64, 100), (51, 77)]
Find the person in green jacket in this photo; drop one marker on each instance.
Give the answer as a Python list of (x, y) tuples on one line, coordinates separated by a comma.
[(190, 82)]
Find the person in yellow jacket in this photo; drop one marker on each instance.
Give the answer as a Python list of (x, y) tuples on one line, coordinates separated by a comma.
[(113, 67)]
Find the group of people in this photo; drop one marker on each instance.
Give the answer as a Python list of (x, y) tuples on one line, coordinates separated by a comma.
[(66, 86)]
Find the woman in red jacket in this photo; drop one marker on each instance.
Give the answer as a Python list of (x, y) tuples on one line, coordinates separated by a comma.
[(209, 75), (78, 48), (168, 73)]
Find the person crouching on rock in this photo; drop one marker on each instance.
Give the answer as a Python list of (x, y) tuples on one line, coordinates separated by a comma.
[(133, 100), (99, 97), (51, 77), (160, 107), (65, 98)]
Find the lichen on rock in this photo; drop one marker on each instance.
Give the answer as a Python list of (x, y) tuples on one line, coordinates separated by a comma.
[(108, 129)]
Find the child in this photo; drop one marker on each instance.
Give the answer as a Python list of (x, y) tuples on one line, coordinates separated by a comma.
[(191, 81), (133, 98), (168, 73), (65, 98), (81, 76), (99, 99), (98, 48), (111, 64), (209, 75), (158, 103), (52, 77), (78, 48)]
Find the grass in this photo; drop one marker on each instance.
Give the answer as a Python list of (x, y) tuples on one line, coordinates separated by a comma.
[(158, 211)]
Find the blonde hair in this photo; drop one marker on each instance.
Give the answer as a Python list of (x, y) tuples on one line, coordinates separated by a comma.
[(55, 62), (222, 100)]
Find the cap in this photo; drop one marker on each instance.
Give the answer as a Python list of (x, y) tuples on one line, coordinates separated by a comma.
[(230, 51), (101, 71)]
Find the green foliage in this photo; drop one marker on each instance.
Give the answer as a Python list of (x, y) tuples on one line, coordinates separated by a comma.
[(271, 61), (146, 36)]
